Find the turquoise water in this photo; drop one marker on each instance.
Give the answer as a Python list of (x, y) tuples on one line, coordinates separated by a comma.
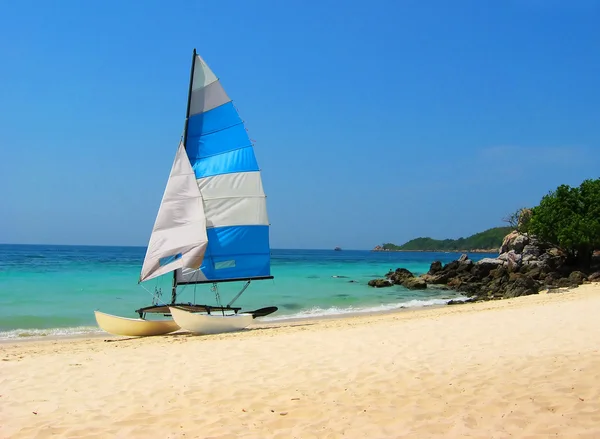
[(53, 290)]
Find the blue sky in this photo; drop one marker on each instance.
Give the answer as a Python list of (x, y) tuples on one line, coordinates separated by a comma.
[(373, 122)]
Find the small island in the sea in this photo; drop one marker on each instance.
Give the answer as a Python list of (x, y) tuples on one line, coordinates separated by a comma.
[(487, 241)]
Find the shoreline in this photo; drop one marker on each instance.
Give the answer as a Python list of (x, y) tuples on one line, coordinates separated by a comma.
[(316, 320), (261, 324), (524, 367)]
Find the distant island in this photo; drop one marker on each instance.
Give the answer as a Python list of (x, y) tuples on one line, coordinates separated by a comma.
[(487, 241)]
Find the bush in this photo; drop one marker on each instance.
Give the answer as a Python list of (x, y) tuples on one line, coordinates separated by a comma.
[(569, 217)]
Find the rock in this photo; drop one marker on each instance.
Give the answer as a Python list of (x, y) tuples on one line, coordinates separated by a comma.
[(511, 258), (398, 276), (454, 283), (594, 277), (459, 302), (519, 243), (556, 252), (564, 282), (498, 272), (507, 241), (465, 266), (535, 272), (531, 250), (470, 288), (379, 283), (450, 266), (515, 241), (491, 262), (480, 271), (551, 279), (435, 267), (438, 278), (414, 283), (533, 263), (521, 285), (464, 257), (577, 277)]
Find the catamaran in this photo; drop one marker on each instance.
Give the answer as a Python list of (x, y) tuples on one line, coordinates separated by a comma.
[(212, 224)]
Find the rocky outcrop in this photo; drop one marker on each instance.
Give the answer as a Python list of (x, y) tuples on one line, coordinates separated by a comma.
[(524, 266)]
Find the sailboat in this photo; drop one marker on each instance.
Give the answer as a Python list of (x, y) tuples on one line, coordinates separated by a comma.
[(212, 224)]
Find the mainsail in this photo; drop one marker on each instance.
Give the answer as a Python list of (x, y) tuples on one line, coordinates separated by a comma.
[(179, 235), (227, 173)]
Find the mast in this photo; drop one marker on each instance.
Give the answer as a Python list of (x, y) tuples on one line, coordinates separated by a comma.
[(185, 129)]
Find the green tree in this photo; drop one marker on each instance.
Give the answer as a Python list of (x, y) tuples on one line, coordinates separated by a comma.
[(570, 218)]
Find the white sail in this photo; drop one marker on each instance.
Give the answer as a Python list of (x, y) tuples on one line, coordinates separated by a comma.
[(179, 237)]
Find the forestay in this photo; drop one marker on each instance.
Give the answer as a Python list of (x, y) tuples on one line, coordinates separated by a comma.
[(179, 235), (227, 173)]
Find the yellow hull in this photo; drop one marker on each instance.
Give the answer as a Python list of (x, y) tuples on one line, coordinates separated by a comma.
[(134, 327)]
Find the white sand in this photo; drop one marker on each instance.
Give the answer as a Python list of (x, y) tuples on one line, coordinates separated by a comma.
[(526, 368)]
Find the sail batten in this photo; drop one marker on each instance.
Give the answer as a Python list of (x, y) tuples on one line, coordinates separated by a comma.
[(228, 177)]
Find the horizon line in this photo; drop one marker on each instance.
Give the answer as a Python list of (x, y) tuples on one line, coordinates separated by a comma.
[(144, 246)]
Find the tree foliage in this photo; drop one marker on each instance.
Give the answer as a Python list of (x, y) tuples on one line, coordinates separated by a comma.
[(569, 217)]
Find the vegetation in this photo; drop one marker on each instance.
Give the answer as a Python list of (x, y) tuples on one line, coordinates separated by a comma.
[(489, 239), (519, 220), (569, 217)]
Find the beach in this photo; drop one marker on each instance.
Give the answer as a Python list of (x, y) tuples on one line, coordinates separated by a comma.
[(527, 367)]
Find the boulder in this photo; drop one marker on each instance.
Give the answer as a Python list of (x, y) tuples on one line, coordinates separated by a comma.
[(459, 302), (380, 283), (438, 278), (450, 266), (465, 266), (511, 258), (463, 258), (490, 262), (454, 283), (507, 241), (414, 283), (398, 276), (470, 288), (499, 272), (594, 277), (519, 243), (530, 251), (435, 267), (564, 282), (577, 277), (520, 285), (481, 271), (551, 279)]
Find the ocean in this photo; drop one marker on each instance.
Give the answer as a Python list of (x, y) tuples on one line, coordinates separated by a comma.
[(53, 290)]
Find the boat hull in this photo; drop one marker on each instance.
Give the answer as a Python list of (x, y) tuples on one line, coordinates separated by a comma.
[(134, 327), (210, 323)]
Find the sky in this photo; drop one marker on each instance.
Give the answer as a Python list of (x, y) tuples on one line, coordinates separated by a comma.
[(373, 122)]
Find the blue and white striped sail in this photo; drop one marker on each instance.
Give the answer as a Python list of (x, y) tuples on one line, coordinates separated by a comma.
[(229, 179)]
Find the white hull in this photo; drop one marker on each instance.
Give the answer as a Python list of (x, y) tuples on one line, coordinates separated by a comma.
[(134, 327), (210, 323)]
